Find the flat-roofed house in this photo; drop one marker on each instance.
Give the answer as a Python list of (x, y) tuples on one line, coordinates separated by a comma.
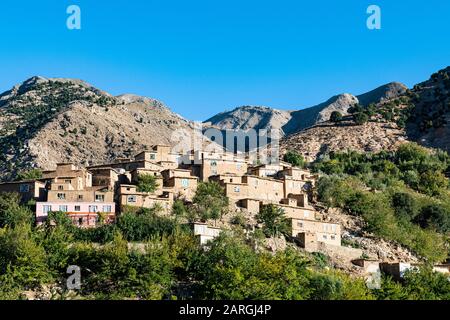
[(217, 165), (181, 183), (27, 190), (129, 196), (309, 232), (71, 191)]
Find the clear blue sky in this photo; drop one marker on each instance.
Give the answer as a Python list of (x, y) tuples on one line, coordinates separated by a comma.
[(201, 57)]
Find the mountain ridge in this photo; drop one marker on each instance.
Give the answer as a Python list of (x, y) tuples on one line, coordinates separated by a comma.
[(291, 121)]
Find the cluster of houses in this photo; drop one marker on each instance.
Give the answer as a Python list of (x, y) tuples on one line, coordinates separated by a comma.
[(99, 193)]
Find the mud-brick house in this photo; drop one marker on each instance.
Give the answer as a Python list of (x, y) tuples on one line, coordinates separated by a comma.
[(71, 191), (27, 190), (204, 232), (129, 197), (310, 232), (181, 183)]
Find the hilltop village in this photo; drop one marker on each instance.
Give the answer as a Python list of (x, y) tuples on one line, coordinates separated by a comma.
[(105, 190), (98, 194)]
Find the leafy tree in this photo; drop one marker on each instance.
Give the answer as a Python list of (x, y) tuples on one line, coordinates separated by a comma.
[(230, 269), (360, 118), (274, 220), (336, 116), (22, 256), (32, 174), (147, 183), (433, 183), (294, 158), (355, 109), (179, 210), (405, 205), (210, 201), (425, 284), (143, 224), (12, 213), (435, 216)]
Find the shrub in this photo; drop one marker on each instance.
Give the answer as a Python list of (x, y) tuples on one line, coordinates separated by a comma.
[(360, 118), (210, 201), (335, 116), (434, 216), (274, 220), (147, 183), (294, 158)]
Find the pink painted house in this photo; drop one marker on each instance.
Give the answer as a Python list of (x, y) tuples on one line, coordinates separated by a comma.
[(83, 214)]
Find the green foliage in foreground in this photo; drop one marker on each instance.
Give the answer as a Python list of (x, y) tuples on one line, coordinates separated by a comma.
[(168, 263), (402, 196), (294, 158)]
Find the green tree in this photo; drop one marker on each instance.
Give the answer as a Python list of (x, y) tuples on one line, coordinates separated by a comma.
[(294, 158), (12, 213), (360, 118), (273, 219), (147, 183), (435, 216), (179, 210), (405, 205), (336, 116), (32, 174), (210, 201), (22, 256)]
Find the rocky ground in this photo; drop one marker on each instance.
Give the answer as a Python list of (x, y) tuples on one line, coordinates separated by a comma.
[(321, 139)]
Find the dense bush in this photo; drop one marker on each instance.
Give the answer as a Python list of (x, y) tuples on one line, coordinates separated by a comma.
[(274, 220), (335, 116), (294, 158), (390, 192), (146, 183)]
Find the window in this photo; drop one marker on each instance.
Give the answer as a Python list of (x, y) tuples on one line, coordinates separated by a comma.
[(60, 187), (80, 197), (324, 237), (152, 156), (46, 209), (237, 189), (99, 198), (77, 208), (80, 221), (300, 224), (63, 208), (24, 188), (68, 181), (185, 183), (107, 209), (306, 214), (93, 208), (333, 238), (238, 166), (131, 199), (61, 196), (213, 164)]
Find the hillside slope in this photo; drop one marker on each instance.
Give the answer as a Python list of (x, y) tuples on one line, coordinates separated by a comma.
[(250, 117), (421, 114), (46, 121)]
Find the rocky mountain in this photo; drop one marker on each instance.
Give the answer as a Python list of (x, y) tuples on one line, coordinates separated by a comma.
[(321, 139), (46, 121), (429, 116), (248, 117), (421, 114)]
